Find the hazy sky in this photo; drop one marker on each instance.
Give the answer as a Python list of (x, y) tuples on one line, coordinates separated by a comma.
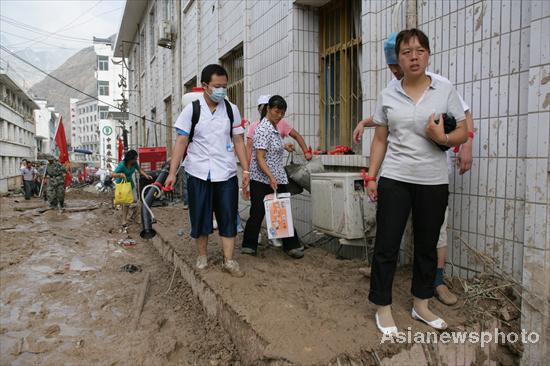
[(80, 19)]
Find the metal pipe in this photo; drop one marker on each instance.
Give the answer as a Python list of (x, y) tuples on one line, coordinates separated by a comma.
[(147, 221)]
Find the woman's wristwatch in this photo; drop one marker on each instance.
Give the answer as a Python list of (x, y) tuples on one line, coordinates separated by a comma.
[(446, 139)]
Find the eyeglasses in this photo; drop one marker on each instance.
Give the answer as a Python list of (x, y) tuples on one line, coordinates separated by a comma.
[(409, 52)]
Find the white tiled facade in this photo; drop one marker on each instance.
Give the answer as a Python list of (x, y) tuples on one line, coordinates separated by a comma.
[(71, 130), (17, 131), (45, 120), (497, 53), (86, 127)]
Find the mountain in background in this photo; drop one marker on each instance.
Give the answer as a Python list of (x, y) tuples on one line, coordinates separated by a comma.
[(45, 59), (78, 71)]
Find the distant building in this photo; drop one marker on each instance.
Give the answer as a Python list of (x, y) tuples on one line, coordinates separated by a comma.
[(86, 128), (92, 129), (71, 126), (17, 131), (46, 120)]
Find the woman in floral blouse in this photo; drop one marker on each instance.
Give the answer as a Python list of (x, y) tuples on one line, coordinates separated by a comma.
[(267, 175)]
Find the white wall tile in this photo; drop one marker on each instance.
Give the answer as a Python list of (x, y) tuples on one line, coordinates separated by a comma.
[(515, 18)]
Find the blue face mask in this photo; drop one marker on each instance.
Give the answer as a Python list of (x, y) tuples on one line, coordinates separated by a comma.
[(218, 94)]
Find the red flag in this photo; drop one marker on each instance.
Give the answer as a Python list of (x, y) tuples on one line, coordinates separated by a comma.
[(61, 141), (120, 148)]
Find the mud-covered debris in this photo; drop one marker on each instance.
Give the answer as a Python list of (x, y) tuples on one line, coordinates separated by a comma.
[(130, 268), (127, 243), (52, 331)]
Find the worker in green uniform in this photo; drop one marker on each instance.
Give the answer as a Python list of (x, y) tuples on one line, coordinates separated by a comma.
[(55, 173)]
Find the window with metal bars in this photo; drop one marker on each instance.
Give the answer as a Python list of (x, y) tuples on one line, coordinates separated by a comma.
[(340, 59), (190, 85), (233, 63)]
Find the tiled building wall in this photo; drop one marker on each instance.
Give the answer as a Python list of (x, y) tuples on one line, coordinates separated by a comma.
[(208, 32), (379, 18), (487, 203), (267, 49), (536, 250), (486, 49), (154, 78), (231, 25), (303, 76), (189, 42), (303, 98)]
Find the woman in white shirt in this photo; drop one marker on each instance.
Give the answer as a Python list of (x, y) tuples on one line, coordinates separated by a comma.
[(413, 176)]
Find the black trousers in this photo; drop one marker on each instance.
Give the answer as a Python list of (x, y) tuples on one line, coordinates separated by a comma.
[(395, 201), (29, 186), (258, 191)]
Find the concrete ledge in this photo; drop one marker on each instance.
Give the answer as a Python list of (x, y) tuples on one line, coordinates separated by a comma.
[(251, 346)]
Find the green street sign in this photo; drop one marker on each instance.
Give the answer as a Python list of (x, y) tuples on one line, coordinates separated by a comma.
[(107, 130)]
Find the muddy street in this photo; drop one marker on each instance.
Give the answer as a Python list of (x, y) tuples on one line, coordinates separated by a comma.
[(65, 300)]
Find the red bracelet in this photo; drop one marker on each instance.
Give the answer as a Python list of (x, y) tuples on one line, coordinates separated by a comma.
[(366, 178), (471, 134)]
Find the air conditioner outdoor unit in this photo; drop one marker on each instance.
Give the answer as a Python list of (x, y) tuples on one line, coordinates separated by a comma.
[(338, 201), (165, 34)]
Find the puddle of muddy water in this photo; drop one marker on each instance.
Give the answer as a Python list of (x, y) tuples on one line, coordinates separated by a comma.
[(78, 265)]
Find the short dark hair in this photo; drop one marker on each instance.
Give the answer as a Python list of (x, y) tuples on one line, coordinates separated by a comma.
[(278, 102), (406, 35), (212, 69), (130, 155), (263, 111)]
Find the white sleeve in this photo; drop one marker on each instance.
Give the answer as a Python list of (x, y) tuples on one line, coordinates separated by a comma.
[(379, 117), (237, 120), (183, 122), (465, 106)]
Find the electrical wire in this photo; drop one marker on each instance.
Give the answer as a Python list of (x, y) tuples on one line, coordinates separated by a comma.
[(30, 39), (94, 17), (85, 12), (78, 90), (39, 31), (51, 34)]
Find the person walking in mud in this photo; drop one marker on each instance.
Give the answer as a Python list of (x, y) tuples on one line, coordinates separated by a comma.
[(211, 128), (55, 175), (125, 171), (28, 173)]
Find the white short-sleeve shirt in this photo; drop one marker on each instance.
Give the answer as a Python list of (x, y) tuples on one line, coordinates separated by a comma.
[(28, 174), (443, 79), (465, 106), (411, 156), (211, 154)]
